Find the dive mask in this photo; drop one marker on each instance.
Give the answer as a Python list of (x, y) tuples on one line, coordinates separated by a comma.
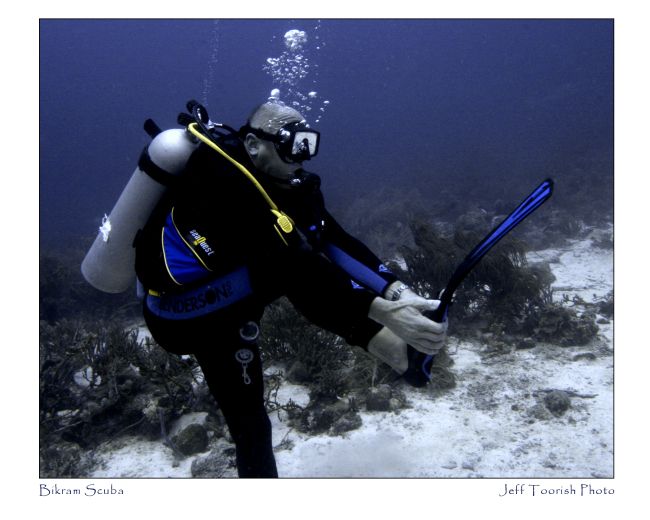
[(294, 142)]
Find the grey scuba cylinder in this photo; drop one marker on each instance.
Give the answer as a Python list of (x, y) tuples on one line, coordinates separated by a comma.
[(109, 264)]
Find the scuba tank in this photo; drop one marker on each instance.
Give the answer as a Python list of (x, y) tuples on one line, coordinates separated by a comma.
[(109, 264)]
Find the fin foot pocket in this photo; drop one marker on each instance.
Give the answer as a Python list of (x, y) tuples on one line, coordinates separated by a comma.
[(418, 373)]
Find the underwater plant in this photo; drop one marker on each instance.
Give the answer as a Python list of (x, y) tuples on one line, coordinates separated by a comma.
[(289, 338), (502, 287), (64, 294), (98, 380), (562, 325)]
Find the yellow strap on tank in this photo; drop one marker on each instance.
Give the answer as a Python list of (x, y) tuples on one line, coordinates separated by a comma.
[(284, 221)]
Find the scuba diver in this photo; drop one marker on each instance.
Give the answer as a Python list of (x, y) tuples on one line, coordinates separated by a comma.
[(242, 225)]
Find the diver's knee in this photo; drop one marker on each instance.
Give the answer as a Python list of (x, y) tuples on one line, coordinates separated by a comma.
[(389, 348)]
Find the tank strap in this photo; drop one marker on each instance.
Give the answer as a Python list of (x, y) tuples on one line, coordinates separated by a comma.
[(154, 171)]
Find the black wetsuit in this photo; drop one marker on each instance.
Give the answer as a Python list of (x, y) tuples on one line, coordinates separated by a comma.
[(329, 277)]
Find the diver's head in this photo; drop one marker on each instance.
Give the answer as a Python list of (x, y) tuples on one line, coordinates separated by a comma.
[(278, 140)]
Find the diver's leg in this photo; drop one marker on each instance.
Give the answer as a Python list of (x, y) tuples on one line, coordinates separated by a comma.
[(322, 298), (324, 294), (233, 372)]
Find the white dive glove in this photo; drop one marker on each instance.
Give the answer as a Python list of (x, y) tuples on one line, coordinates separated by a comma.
[(404, 318)]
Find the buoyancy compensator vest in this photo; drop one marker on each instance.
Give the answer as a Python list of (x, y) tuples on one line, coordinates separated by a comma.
[(110, 264)]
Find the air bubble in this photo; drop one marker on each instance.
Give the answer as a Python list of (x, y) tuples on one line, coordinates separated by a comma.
[(291, 69), (295, 39)]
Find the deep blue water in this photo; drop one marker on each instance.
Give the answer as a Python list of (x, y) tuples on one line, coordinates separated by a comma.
[(420, 103)]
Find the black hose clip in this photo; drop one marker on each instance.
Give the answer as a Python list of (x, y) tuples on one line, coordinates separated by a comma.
[(199, 114)]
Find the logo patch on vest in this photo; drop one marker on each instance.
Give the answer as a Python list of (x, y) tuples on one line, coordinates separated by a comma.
[(201, 241), (215, 295)]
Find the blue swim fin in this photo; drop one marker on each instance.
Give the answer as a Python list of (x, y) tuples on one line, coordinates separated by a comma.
[(419, 370)]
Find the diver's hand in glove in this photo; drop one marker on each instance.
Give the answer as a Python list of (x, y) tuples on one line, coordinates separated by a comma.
[(404, 317)]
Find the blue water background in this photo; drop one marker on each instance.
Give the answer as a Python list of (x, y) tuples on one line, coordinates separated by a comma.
[(424, 104)]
